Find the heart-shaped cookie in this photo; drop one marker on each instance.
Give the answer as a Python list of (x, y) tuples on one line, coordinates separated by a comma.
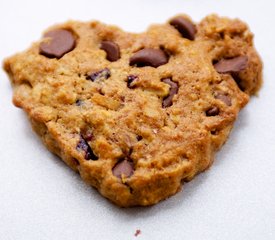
[(137, 114)]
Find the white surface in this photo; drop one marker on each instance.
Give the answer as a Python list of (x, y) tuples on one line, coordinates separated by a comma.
[(41, 198)]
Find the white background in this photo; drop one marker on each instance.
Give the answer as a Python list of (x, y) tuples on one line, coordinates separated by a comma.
[(41, 198)]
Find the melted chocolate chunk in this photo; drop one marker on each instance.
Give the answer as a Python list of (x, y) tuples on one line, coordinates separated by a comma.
[(60, 42), (130, 81), (78, 102), (87, 135), (232, 65), (239, 81), (84, 146), (184, 26), (139, 138), (123, 168), (112, 50), (224, 98), (212, 111), (167, 101), (102, 74), (149, 57)]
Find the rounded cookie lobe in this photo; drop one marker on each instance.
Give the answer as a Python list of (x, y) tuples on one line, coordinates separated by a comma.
[(149, 57), (184, 26), (232, 65), (60, 42), (112, 50)]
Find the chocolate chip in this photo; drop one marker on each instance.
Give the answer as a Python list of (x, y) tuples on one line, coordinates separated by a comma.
[(214, 132), (139, 138), (225, 98), (239, 81), (78, 102), (112, 50), (102, 74), (60, 42), (167, 101), (232, 65), (130, 80), (149, 57), (75, 161), (123, 168), (184, 26), (212, 111), (84, 146), (87, 135)]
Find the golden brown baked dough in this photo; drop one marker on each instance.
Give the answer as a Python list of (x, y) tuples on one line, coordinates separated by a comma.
[(137, 114)]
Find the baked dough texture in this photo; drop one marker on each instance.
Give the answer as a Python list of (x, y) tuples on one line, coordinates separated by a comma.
[(137, 115)]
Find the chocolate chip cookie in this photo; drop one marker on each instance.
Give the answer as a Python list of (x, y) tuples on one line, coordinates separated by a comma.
[(137, 115)]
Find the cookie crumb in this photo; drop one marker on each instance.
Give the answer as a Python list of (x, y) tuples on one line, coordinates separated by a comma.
[(138, 232)]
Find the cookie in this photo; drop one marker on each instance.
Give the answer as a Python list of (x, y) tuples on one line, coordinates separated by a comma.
[(137, 115)]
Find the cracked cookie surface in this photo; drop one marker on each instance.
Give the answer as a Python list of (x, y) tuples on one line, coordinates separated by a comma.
[(137, 114)]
